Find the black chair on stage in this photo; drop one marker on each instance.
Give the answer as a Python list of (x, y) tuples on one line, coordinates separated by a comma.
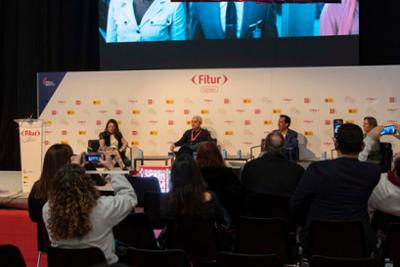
[(11, 256), (323, 261), (262, 236), (135, 231), (153, 203), (166, 258), (343, 239), (143, 185), (83, 257), (227, 259)]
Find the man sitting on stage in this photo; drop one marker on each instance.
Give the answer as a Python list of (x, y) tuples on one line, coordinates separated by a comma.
[(193, 137), (291, 142)]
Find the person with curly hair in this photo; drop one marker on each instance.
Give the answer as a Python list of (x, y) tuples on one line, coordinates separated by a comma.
[(76, 216)]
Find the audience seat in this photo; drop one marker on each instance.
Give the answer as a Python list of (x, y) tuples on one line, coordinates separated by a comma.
[(165, 258), (143, 185), (391, 248), (11, 256), (84, 257), (323, 261), (227, 259)]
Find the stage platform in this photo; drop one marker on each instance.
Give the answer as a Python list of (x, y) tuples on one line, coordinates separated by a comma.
[(11, 195)]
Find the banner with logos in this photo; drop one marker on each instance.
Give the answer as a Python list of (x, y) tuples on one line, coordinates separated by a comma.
[(31, 141), (238, 106)]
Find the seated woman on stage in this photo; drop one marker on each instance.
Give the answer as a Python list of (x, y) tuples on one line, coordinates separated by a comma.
[(193, 137), (76, 216), (56, 156), (113, 144)]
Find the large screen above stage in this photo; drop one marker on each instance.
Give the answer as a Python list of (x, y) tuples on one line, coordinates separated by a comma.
[(128, 27)]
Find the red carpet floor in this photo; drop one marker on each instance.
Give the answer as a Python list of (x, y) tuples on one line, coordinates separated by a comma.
[(16, 228)]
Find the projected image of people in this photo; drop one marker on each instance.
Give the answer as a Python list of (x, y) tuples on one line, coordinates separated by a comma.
[(166, 20)]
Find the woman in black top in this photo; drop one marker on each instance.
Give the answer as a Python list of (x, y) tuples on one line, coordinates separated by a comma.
[(219, 178), (113, 143)]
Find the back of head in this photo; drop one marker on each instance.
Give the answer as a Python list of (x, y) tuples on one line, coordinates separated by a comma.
[(209, 156), (72, 197), (274, 144), (349, 139), (396, 166), (56, 157), (188, 187)]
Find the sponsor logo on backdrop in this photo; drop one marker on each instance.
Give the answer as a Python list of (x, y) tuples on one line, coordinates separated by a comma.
[(46, 142), (134, 132), (150, 101), (78, 102), (48, 83), (352, 111), (186, 112), (349, 99), (308, 133), (257, 111), (153, 133), (308, 122), (328, 100), (170, 110), (135, 143), (119, 122), (64, 142), (371, 99), (30, 133), (227, 101), (48, 123), (118, 112), (349, 121), (153, 122), (229, 122), (240, 110), (391, 121), (135, 122), (276, 111), (247, 132), (82, 132), (133, 101), (229, 133), (328, 143), (266, 100), (82, 122), (392, 99), (208, 101), (247, 122), (267, 122), (205, 112), (286, 99), (98, 122), (307, 100), (135, 112), (64, 132), (314, 110), (48, 132), (206, 79), (332, 111), (209, 89), (328, 122), (170, 101), (71, 112), (96, 102), (247, 143), (188, 122), (247, 101), (61, 102), (171, 122), (103, 111), (54, 112), (392, 109)]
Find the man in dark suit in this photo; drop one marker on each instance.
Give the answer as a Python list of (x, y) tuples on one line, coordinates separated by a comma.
[(231, 20), (291, 141), (272, 173), (192, 138), (337, 189)]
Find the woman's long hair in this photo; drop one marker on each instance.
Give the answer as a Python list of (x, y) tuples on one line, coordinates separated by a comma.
[(56, 156), (186, 197), (117, 132), (209, 156), (72, 197)]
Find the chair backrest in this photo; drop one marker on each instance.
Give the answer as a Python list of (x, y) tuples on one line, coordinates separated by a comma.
[(11, 256), (323, 261), (143, 185), (337, 239), (152, 208), (392, 245), (386, 152), (268, 206), (197, 236), (166, 258), (226, 259), (93, 145), (135, 230), (82, 257), (262, 236)]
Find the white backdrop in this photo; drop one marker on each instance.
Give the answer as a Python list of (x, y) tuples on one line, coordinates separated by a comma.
[(239, 106)]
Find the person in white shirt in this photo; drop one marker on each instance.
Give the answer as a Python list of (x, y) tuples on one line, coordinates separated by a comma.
[(76, 216)]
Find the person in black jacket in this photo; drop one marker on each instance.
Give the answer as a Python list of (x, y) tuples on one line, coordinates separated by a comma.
[(219, 178), (272, 173), (192, 138), (338, 189)]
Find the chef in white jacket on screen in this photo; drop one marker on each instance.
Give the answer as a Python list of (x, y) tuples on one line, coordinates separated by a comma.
[(145, 20)]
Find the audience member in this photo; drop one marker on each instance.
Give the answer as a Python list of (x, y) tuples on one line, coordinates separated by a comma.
[(272, 173), (291, 143), (219, 178), (386, 195), (374, 156), (56, 156), (76, 216), (338, 189)]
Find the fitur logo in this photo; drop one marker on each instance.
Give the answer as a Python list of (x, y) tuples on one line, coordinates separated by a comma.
[(30, 133), (206, 79)]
